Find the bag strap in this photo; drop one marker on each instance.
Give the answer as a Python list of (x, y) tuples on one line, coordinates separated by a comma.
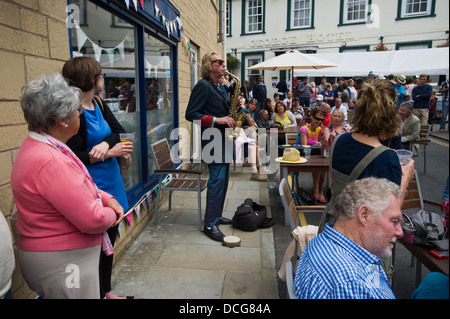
[(99, 102), (366, 161)]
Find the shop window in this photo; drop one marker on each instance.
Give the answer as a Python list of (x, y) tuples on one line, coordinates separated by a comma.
[(159, 93), (113, 42)]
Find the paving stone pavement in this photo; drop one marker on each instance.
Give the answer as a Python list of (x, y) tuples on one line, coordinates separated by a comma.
[(174, 260)]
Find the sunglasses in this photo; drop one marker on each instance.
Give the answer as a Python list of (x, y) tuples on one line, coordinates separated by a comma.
[(221, 62), (319, 119)]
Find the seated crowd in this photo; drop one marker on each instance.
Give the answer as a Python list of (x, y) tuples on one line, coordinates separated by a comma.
[(323, 112)]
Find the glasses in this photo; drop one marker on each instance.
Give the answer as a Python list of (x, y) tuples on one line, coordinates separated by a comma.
[(319, 119), (220, 61), (103, 75)]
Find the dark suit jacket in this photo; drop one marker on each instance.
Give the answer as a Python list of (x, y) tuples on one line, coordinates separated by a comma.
[(207, 102)]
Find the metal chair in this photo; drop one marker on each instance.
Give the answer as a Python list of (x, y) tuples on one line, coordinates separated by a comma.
[(290, 275), (424, 139), (165, 165), (291, 216), (291, 211)]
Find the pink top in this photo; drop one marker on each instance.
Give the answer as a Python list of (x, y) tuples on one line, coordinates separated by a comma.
[(312, 137), (56, 202)]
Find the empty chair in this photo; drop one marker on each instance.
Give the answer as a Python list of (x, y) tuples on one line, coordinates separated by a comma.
[(424, 139), (165, 165)]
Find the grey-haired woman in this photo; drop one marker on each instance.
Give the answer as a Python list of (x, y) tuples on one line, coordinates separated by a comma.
[(61, 212)]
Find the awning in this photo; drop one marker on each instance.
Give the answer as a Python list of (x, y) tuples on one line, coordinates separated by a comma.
[(408, 62)]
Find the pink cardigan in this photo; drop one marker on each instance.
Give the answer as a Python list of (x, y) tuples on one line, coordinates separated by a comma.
[(56, 202)]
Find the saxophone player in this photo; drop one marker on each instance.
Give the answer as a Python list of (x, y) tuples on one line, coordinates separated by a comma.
[(209, 103)]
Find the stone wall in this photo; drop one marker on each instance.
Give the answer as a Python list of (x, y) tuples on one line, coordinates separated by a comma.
[(34, 41)]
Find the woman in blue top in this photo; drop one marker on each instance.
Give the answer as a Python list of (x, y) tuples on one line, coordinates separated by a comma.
[(97, 144)]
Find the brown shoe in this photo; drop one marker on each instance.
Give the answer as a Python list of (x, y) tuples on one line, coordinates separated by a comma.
[(258, 177)]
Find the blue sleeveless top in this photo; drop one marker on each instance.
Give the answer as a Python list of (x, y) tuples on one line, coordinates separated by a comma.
[(106, 174)]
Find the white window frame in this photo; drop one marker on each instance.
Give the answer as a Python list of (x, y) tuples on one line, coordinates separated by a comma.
[(228, 17), (407, 3), (347, 4), (248, 73), (300, 10), (258, 4)]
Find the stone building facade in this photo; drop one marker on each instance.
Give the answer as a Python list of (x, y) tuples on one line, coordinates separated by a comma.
[(35, 40)]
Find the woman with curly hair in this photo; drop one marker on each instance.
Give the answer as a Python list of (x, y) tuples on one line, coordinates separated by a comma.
[(359, 153)]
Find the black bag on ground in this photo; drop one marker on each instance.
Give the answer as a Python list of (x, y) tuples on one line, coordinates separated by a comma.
[(251, 216), (305, 196)]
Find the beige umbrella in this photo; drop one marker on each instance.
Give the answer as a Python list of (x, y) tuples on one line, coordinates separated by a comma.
[(291, 60)]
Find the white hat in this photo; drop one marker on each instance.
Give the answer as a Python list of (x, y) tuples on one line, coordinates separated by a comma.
[(401, 79), (291, 155), (381, 77), (319, 97)]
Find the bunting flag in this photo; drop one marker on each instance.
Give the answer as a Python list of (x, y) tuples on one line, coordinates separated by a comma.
[(82, 38), (119, 229), (170, 25), (145, 199), (128, 219), (97, 51)]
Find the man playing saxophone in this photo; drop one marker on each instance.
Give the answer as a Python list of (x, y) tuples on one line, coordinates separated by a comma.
[(209, 103)]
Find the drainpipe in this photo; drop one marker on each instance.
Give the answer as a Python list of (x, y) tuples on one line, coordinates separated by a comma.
[(221, 37), (221, 26)]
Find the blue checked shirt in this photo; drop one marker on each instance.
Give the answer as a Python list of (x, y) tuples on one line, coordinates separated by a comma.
[(334, 267)]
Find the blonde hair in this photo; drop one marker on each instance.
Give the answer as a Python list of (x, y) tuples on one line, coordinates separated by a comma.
[(376, 113), (341, 113), (206, 63)]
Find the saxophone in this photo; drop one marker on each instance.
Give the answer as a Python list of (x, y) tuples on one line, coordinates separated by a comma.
[(235, 109)]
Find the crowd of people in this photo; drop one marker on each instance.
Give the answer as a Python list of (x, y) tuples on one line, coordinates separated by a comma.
[(74, 143), (366, 121), (415, 99)]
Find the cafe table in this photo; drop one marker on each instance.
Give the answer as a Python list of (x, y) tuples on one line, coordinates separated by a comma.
[(314, 164), (423, 255)]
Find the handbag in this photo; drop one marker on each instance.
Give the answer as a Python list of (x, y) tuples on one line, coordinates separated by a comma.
[(250, 216), (305, 196), (425, 228)]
